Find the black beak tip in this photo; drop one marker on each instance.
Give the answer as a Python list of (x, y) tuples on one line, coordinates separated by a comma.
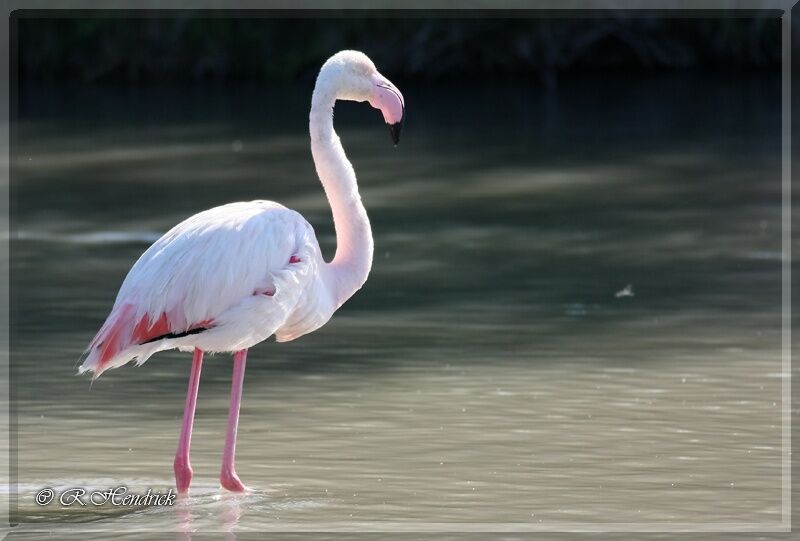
[(394, 131)]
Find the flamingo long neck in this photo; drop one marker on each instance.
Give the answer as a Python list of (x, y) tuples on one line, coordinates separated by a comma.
[(350, 266)]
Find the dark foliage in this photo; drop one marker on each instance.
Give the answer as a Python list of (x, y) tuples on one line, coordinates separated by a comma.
[(190, 47)]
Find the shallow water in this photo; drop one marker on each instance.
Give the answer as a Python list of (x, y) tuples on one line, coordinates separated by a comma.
[(487, 376)]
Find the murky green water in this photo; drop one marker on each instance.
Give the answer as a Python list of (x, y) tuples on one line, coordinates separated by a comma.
[(487, 373)]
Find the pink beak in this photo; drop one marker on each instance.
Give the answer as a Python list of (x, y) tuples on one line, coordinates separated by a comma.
[(388, 99)]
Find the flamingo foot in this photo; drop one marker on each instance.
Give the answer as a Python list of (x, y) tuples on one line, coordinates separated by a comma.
[(183, 475), (230, 481)]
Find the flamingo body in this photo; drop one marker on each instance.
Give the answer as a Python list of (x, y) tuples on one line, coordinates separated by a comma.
[(222, 280)]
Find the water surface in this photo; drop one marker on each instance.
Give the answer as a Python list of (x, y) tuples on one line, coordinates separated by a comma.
[(488, 373)]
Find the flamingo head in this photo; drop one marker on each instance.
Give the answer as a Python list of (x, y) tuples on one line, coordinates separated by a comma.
[(355, 78)]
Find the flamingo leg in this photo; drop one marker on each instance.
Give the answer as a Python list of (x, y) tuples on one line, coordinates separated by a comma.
[(183, 469), (227, 477)]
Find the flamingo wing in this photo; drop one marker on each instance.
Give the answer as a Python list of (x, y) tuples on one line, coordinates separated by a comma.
[(243, 265)]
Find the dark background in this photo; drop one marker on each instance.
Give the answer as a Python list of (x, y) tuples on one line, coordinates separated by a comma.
[(257, 46)]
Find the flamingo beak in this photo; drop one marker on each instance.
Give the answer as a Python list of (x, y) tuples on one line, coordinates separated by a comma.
[(394, 131), (388, 99)]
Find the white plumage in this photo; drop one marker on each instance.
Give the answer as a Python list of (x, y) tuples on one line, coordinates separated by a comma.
[(250, 270)]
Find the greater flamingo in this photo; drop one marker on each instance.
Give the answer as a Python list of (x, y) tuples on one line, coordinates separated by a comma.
[(230, 277)]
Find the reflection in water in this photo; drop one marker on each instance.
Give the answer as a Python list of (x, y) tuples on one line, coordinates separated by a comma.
[(489, 372), (230, 515), (183, 509), (229, 511)]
